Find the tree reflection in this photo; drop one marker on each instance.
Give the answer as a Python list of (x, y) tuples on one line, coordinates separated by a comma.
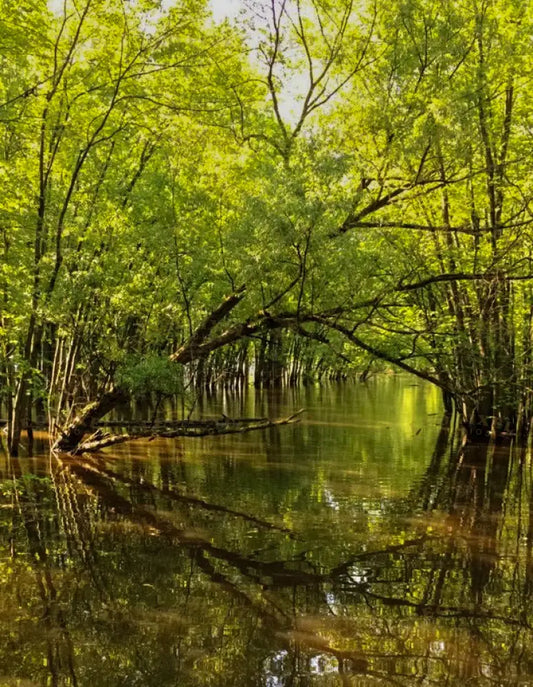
[(127, 572)]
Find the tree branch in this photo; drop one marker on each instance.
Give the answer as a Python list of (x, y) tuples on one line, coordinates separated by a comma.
[(207, 428)]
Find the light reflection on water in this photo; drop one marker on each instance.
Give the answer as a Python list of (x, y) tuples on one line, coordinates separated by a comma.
[(357, 548)]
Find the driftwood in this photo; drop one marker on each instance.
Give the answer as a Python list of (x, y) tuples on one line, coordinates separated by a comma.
[(99, 440)]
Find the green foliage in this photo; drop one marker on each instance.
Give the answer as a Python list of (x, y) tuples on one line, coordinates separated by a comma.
[(150, 374)]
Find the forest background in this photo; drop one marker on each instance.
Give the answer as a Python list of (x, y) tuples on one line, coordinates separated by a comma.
[(316, 187)]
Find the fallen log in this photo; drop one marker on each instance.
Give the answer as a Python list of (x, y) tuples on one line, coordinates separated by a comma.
[(100, 440), (178, 424)]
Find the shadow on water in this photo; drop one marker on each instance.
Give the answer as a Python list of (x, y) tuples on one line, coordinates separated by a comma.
[(173, 565)]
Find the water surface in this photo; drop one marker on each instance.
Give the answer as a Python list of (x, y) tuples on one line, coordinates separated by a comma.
[(355, 548)]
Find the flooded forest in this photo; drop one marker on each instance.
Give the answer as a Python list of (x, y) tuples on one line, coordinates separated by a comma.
[(266, 343)]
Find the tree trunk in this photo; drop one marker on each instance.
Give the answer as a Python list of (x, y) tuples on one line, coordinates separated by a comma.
[(84, 423)]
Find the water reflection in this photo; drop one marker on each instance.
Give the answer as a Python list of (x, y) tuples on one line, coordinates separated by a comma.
[(359, 548)]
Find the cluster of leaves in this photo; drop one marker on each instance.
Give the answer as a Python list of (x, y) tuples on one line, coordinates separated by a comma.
[(150, 374)]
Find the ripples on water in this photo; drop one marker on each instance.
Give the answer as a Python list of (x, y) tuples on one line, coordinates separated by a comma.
[(356, 548)]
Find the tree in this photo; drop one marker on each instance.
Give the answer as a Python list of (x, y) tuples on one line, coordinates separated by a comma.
[(455, 99), (353, 176)]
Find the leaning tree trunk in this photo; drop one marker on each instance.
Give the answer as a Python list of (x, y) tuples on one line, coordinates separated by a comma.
[(84, 423)]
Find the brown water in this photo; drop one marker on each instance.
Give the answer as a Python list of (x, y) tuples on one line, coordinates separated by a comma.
[(356, 548)]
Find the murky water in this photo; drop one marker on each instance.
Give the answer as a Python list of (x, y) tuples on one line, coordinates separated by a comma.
[(356, 548)]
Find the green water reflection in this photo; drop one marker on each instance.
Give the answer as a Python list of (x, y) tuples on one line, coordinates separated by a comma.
[(357, 548)]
